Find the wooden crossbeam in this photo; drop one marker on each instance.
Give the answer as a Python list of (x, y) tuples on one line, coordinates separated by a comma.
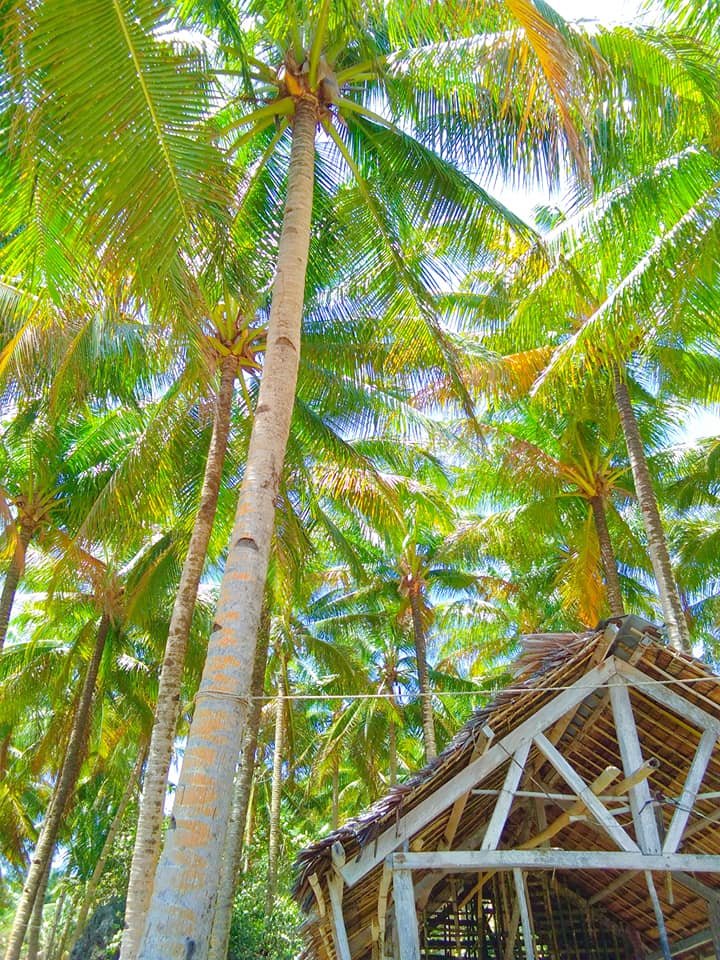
[(472, 861)]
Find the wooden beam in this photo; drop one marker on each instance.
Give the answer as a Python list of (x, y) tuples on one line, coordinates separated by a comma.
[(612, 887), (515, 771), (684, 879), (714, 917), (472, 861), (659, 918), (687, 799), (666, 697), (322, 920), (396, 833), (699, 939), (335, 890), (521, 893), (643, 811), (512, 931), (459, 806), (406, 922), (711, 894), (382, 907), (576, 782)]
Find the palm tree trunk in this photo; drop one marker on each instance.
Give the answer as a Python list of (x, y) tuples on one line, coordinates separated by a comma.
[(657, 546), (12, 578), (63, 790), (232, 858), (428, 722), (35, 925), (148, 838), (607, 554), (392, 750), (335, 814), (275, 800), (180, 914), (92, 884), (57, 917), (249, 826)]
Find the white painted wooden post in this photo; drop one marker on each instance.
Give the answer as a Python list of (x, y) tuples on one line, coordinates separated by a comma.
[(335, 890), (521, 892), (405, 915), (643, 811)]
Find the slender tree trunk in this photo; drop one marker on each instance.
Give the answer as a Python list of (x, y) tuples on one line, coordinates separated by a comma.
[(335, 814), (36, 917), (392, 739), (57, 917), (232, 858), (61, 952), (428, 722), (180, 916), (92, 884), (392, 750), (63, 790), (607, 554), (275, 800), (657, 546), (249, 826), (12, 578), (148, 838)]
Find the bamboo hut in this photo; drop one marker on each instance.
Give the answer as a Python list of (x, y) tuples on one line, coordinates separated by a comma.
[(574, 817)]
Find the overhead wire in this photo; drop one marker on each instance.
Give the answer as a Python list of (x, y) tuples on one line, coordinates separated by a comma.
[(485, 692)]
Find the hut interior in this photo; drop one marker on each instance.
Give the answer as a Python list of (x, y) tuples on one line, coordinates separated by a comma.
[(576, 817)]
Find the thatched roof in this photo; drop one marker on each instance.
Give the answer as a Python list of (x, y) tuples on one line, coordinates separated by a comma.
[(549, 662)]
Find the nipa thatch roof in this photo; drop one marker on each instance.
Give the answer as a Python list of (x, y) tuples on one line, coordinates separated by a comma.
[(549, 662)]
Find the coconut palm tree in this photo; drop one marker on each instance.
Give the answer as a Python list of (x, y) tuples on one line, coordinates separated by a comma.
[(551, 465)]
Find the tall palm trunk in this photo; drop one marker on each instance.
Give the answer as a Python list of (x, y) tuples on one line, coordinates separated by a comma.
[(232, 857), (63, 789), (35, 926), (180, 915), (249, 826), (148, 838), (12, 578), (607, 555), (92, 884), (57, 917), (428, 722), (335, 813), (275, 800), (392, 750), (657, 546)]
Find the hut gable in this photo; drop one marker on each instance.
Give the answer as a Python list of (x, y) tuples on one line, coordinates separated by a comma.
[(576, 816)]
